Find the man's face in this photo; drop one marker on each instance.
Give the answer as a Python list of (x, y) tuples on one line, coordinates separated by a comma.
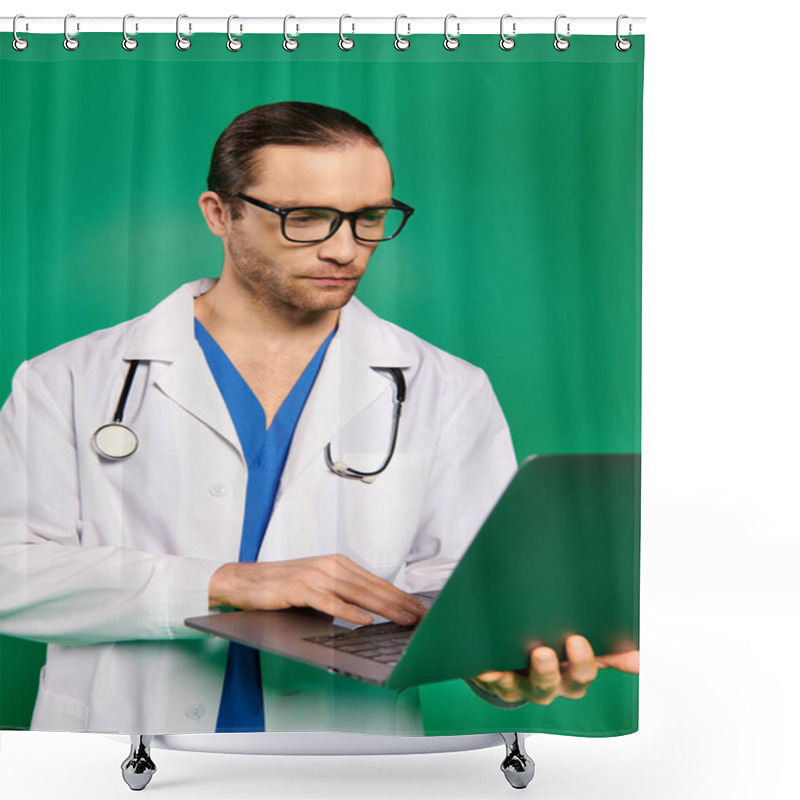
[(313, 277)]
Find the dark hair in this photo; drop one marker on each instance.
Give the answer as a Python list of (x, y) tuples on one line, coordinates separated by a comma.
[(285, 123)]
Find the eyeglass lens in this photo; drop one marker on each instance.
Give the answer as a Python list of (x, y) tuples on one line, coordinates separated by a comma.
[(372, 224)]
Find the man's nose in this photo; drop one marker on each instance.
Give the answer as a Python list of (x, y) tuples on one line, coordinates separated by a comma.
[(342, 246)]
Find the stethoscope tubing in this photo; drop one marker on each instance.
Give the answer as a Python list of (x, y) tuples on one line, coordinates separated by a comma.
[(341, 469), (126, 388), (336, 467)]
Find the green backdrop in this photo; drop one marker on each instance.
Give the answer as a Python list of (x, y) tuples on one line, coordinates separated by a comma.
[(524, 254)]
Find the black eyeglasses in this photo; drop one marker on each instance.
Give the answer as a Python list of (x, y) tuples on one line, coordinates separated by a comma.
[(316, 224)]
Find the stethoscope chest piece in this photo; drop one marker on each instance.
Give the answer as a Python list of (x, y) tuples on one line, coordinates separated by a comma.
[(115, 441)]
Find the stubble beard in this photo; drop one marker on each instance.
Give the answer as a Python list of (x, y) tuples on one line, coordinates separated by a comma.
[(269, 286)]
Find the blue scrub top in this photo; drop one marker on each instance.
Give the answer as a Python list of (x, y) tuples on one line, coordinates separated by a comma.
[(265, 451)]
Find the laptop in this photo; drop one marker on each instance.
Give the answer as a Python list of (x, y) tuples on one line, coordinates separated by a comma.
[(559, 554)]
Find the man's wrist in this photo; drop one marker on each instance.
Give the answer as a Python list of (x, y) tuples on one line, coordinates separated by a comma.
[(218, 587)]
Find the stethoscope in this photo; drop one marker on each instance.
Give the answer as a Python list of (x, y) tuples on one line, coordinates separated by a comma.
[(116, 441), (341, 469)]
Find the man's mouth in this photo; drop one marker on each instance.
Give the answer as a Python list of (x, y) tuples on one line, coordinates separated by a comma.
[(334, 279)]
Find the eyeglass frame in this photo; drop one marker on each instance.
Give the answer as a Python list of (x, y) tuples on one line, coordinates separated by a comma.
[(351, 216)]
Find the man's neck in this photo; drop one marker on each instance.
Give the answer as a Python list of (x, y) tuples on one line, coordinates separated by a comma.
[(237, 319)]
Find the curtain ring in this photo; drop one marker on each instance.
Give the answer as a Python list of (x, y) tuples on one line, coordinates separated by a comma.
[(400, 42), (288, 42), (182, 43), (451, 42), (345, 43), (70, 43), (623, 44), (561, 43), (233, 44), (128, 43), (18, 44), (506, 42)]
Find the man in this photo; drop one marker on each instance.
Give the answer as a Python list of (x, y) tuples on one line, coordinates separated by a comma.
[(244, 388)]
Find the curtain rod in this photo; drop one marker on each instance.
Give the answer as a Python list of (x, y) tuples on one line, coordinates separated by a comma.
[(512, 26)]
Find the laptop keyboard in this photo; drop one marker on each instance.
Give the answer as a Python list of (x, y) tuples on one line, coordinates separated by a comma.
[(384, 642)]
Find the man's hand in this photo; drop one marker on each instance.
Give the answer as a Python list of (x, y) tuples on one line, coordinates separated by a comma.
[(547, 678), (333, 584)]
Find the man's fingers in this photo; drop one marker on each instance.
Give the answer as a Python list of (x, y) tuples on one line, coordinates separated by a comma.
[(624, 662), (581, 667), (544, 675), (489, 677), (345, 569), (336, 607), (506, 685), (369, 600)]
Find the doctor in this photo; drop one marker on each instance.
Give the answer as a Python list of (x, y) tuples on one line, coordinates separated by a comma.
[(258, 402)]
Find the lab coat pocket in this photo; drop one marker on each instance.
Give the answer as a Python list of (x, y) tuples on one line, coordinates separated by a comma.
[(56, 712), (379, 519)]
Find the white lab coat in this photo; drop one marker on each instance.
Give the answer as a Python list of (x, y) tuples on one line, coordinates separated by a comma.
[(104, 560)]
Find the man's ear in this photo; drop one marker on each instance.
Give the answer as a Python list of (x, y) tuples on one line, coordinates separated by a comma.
[(215, 212)]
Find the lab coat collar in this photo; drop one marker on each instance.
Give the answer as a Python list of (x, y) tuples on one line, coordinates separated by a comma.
[(348, 381), (167, 332)]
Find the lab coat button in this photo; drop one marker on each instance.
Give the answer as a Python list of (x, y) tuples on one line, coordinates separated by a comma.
[(195, 711), (218, 490)]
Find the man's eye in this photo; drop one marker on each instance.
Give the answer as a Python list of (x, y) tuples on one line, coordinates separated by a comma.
[(373, 217), (308, 217)]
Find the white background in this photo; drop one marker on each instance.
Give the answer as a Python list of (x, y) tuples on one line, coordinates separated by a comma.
[(719, 687)]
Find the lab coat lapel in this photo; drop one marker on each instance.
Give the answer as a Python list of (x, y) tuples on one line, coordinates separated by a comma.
[(347, 383), (190, 383), (166, 335)]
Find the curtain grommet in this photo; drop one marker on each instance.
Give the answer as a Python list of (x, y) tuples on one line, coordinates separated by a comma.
[(233, 44), (182, 43), (128, 42), (345, 43), (622, 44), (451, 42), (507, 42), (18, 43), (560, 43), (400, 42), (70, 42), (290, 44)]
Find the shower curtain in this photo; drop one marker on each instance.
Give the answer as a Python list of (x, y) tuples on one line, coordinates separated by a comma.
[(522, 257)]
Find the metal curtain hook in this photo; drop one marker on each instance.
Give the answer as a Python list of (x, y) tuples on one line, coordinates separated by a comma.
[(18, 44), (451, 42), (400, 42), (344, 42), (506, 42), (182, 43), (561, 43), (233, 44), (623, 44), (289, 43), (128, 43), (70, 43)]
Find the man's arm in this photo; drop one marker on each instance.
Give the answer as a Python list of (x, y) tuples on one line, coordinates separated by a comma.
[(52, 588), (334, 584)]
